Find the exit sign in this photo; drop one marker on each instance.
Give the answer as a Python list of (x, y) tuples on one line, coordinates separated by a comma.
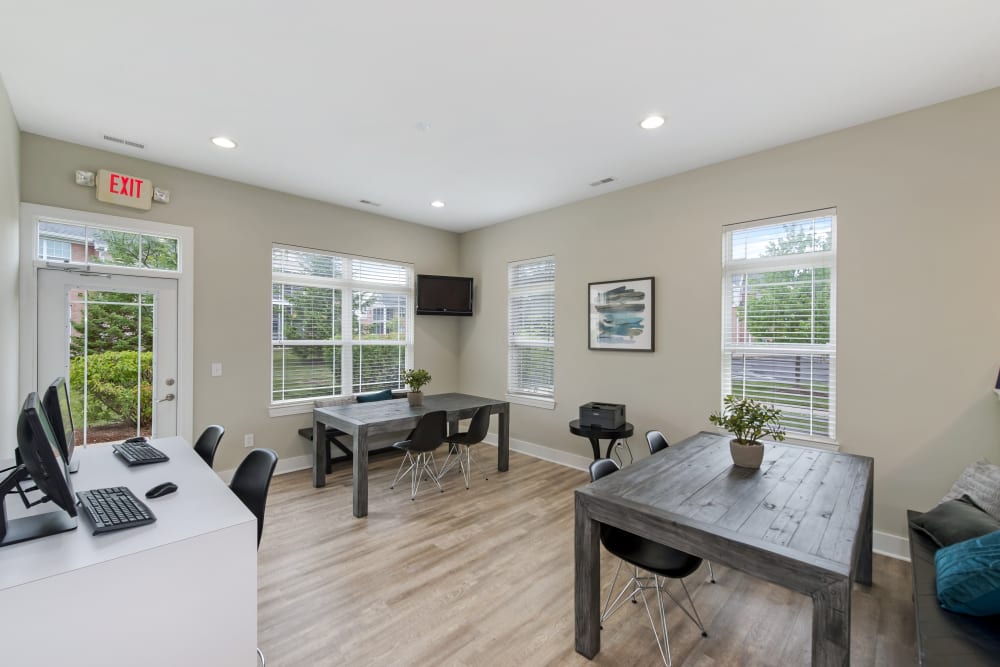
[(124, 190)]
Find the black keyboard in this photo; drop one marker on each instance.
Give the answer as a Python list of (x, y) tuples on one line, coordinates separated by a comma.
[(136, 454), (114, 508)]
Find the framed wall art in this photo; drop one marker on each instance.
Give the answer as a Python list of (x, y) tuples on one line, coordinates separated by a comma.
[(620, 315)]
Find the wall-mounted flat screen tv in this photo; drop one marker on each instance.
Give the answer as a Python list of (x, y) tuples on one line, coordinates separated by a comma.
[(444, 295)]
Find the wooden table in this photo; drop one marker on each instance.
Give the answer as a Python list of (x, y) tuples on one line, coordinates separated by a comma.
[(359, 420), (803, 521)]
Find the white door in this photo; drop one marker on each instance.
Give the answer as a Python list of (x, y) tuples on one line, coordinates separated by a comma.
[(114, 339)]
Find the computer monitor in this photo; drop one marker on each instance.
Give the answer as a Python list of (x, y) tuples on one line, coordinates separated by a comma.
[(56, 406), (43, 463)]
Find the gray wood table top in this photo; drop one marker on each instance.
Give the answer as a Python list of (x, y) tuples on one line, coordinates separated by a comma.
[(360, 420), (802, 521), (397, 414)]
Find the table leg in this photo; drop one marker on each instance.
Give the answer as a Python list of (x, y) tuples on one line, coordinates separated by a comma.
[(503, 441), (863, 572), (831, 633), (595, 444), (611, 446), (319, 453), (587, 598), (361, 472)]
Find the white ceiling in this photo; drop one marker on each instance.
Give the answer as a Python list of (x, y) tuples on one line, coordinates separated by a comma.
[(527, 101)]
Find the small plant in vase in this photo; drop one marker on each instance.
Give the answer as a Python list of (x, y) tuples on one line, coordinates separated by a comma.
[(748, 420), (415, 378)]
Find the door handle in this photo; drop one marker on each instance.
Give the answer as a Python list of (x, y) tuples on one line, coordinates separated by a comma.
[(168, 397)]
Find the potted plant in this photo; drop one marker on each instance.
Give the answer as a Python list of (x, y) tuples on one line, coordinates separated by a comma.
[(415, 378), (748, 420)]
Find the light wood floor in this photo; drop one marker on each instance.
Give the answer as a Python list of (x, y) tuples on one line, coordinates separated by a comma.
[(485, 577)]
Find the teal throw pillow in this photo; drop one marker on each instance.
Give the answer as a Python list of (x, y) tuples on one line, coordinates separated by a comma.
[(968, 576), (384, 395)]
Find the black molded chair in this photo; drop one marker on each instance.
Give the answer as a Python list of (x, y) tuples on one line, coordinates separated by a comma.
[(429, 434), (657, 443), (657, 559), (461, 445), (250, 483), (208, 443)]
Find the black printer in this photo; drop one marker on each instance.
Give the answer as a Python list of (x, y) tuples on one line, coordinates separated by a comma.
[(602, 415)]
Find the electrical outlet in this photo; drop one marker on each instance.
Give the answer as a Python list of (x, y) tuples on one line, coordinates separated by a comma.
[(248, 440), (216, 369)]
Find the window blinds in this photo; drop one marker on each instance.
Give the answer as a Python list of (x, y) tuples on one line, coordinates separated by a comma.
[(324, 345), (531, 333), (779, 311)]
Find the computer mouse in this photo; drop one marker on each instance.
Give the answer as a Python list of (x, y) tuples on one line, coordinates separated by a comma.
[(161, 490)]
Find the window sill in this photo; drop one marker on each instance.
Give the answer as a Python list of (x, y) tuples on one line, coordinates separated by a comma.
[(544, 403), (290, 409), (827, 445)]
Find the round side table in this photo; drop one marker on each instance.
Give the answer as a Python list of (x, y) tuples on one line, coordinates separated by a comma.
[(618, 437)]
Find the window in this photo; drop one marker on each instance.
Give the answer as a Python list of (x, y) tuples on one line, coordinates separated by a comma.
[(531, 334), (779, 316), (339, 324), (86, 245), (55, 249)]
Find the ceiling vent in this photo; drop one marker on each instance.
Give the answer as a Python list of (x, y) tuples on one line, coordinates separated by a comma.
[(603, 181), (368, 202), (124, 142)]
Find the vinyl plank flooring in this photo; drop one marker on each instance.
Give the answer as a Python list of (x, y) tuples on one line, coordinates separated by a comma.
[(485, 577)]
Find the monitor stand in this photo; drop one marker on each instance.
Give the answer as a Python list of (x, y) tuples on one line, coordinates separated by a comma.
[(29, 527), (73, 466)]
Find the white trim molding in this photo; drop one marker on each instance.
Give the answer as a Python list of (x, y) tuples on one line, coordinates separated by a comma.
[(575, 461), (544, 403), (892, 546), (28, 292)]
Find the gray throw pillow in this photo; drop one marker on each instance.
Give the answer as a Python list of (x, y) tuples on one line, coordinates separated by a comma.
[(955, 521), (981, 482)]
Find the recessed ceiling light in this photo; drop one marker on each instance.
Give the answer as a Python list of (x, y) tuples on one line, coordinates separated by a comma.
[(223, 142), (437, 203), (651, 122)]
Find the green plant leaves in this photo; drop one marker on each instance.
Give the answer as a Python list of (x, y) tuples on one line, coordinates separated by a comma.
[(749, 420)]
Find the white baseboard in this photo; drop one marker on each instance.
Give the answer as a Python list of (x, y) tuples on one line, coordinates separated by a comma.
[(290, 464), (891, 545), (567, 459)]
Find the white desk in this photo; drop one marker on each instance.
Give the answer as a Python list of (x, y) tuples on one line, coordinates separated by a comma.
[(180, 591)]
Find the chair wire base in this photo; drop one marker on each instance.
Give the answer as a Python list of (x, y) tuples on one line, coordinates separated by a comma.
[(419, 466), (636, 587), (461, 455)]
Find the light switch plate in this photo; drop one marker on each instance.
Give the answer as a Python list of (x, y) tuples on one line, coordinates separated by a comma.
[(216, 369)]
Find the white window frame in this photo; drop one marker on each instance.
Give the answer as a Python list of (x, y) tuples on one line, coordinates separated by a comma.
[(815, 260), (46, 246), (100, 222), (347, 285), (32, 215), (521, 395)]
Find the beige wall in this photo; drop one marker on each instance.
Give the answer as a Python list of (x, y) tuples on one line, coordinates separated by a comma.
[(234, 226), (918, 323), (10, 401)]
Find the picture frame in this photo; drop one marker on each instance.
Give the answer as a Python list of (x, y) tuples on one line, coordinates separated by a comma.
[(620, 315)]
